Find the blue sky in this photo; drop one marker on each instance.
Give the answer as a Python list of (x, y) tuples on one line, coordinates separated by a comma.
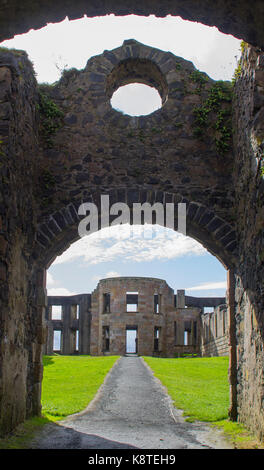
[(181, 261)]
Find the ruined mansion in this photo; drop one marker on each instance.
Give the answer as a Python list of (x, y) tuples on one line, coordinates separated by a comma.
[(137, 315)]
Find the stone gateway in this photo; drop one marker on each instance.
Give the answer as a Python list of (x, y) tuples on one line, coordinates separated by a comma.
[(64, 145)]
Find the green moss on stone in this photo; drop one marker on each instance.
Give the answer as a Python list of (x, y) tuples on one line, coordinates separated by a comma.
[(220, 93), (50, 118)]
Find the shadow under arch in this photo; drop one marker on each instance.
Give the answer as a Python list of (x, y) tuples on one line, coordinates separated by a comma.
[(60, 229)]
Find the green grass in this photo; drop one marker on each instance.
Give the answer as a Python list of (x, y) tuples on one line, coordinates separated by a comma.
[(199, 386), (22, 436), (71, 382), (239, 435)]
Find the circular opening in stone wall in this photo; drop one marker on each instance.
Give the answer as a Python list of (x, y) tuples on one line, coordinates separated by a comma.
[(136, 87), (136, 99)]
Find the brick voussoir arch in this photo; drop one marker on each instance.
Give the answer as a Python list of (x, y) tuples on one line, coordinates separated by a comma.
[(60, 229)]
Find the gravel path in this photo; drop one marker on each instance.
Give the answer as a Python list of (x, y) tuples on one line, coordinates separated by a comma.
[(131, 410)]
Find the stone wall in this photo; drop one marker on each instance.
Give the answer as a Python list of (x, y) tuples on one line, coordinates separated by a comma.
[(175, 154), (48, 169), (74, 323), (22, 293), (215, 332), (165, 326), (249, 292), (119, 318)]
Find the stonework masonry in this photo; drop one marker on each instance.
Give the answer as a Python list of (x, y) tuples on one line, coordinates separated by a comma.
[(165, 324), (75, 317), (215, 333), (64, 145)]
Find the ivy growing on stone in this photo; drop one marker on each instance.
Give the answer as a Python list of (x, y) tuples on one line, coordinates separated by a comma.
[(238, 70), (219, 93), (237, 73), (199, 77), (50, 118)]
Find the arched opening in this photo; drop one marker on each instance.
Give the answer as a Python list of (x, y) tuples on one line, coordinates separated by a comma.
[(203, 225), (124, 252), (137, 87), (237, 23), (206, 47), (136, 100), (231, 19), (57, 229)]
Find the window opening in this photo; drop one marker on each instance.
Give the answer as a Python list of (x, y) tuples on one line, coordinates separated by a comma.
[(132, 301)]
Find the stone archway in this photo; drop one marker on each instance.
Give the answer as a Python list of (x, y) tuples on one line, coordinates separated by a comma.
[(60, 229), (83, 148), (242, 20), (41, 170), (178, 150)]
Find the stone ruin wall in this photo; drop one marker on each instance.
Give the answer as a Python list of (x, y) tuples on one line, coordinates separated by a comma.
[(215, 332), (207, 334), (22, 296), (248, 123), (75, 317), (28, 195), (22, 276), (120, 318)]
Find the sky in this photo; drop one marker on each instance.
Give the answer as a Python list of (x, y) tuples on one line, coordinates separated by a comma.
[(181, 261)]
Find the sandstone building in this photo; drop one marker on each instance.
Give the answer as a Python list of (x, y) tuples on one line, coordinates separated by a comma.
[(137, 315)]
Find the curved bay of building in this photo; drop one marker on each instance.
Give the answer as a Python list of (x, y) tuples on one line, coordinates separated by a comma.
[(137, 315)]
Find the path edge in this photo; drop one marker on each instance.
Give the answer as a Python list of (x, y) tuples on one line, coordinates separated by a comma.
[(95, 399)]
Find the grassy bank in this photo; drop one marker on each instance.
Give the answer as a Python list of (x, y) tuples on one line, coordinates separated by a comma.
[(71, 382), (200, 387)]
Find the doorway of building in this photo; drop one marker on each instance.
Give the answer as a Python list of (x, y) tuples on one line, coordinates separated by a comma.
[(131, 340)]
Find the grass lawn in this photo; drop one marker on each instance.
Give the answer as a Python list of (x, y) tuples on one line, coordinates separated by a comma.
[(199, 386), (71, 382)]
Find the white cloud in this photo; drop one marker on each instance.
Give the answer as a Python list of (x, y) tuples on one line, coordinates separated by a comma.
[(98, 277), (112, 274), (208, 286), (50, 280), (54, 288), (114, 243), (54, 291)]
